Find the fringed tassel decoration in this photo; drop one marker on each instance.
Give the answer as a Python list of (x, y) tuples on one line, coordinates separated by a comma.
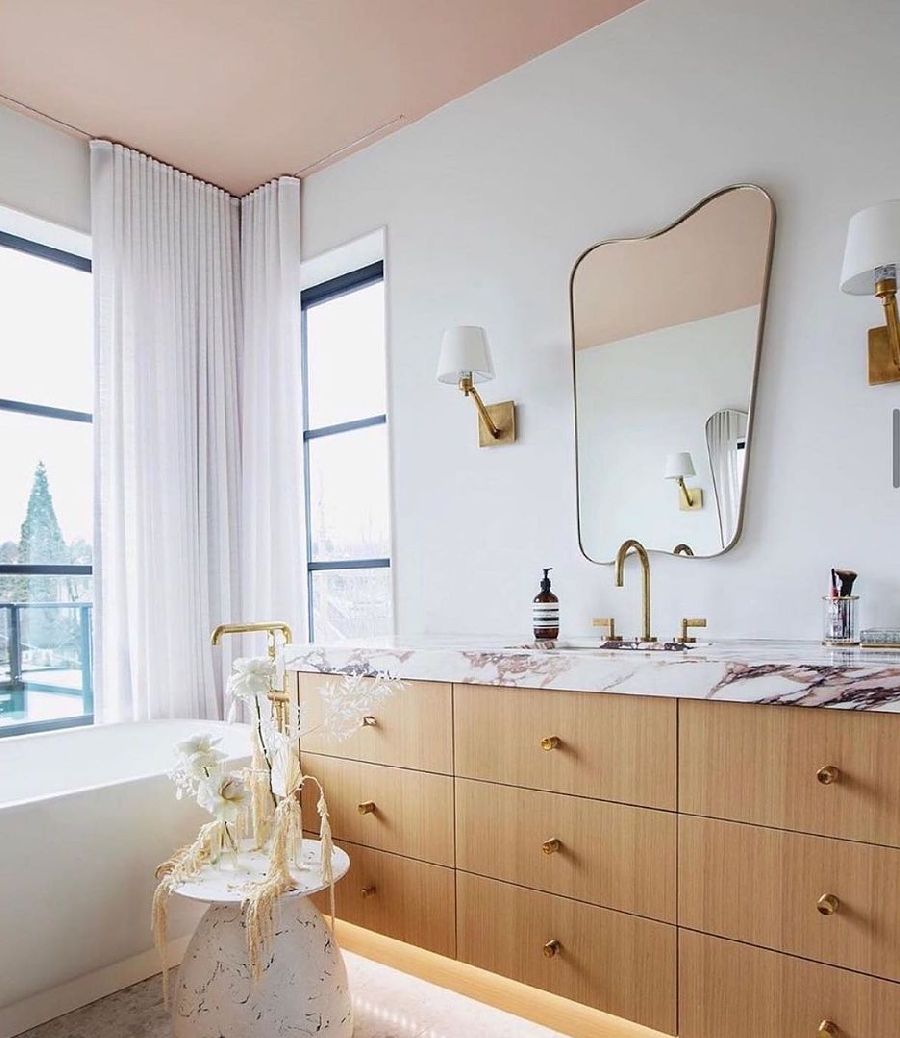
[(183, 865)]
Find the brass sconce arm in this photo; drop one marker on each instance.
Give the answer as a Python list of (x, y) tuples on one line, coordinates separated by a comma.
[(685, 496), (886, 290), (467, 388)]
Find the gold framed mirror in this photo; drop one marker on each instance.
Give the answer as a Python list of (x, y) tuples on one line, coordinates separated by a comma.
[(666, 340)]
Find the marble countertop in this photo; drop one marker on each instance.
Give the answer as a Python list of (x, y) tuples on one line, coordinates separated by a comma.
[(797, 673)]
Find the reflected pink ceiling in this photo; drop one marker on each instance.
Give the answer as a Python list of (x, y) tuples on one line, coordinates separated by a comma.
[(238, 91), (712, 263)]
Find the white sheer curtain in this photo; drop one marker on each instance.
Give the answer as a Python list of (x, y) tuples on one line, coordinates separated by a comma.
[(166, 427), (274, 540)]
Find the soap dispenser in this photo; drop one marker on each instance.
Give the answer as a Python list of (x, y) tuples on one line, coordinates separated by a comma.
[(545, 612)]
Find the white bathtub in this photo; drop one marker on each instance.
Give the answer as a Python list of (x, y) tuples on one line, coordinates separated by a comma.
[(86, 815)]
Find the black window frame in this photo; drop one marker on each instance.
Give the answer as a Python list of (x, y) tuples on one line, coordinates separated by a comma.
[(325, 291), (81, 263)]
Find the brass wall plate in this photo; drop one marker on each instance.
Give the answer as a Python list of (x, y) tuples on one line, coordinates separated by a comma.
[(882, 368), (503, 416), (696, 495)]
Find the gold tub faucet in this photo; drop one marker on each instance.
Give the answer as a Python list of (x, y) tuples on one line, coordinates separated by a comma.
[(277, 696)]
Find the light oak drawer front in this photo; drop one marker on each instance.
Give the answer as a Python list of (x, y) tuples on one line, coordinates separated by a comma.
[(622, 964), (730, 990), (597, 745), (830, 900), (407, 812), (835, 773), (408, 900), (614, 855), (411, 729)]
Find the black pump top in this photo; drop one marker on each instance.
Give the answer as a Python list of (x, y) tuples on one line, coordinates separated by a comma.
[(545, 583)]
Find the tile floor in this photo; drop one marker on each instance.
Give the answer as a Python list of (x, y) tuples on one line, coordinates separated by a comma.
[(387, 1004)]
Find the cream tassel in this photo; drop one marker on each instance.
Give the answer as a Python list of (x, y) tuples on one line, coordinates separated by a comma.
[(258, 781), (183, 865)]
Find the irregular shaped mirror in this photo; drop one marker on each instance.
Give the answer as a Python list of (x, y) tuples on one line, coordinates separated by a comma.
[(666, 332)]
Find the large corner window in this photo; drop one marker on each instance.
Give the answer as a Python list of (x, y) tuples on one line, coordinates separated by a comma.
[(46, 490), (345, 454)]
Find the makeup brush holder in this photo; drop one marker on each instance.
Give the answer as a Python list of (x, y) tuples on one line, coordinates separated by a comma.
[(841, 620)]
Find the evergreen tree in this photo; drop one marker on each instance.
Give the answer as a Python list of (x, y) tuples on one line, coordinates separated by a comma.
[(41, 543)]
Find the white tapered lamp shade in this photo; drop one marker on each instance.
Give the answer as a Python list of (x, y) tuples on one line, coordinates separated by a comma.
[(679, 465), (873, 243), (465, 351)]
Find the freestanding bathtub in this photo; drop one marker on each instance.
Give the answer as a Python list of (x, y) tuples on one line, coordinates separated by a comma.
[(86, 815)]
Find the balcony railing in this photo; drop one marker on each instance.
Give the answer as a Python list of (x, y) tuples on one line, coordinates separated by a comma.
[(45, 661)]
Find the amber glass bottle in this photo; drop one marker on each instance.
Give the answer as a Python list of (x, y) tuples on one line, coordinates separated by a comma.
[(545, 612)]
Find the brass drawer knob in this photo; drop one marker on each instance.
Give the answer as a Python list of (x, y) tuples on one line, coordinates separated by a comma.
[(367, 892), (828, 774), (550, 846), (552, 742), (551, 949), (367, 807), (369, 721), (828, 904), (827, 1030)]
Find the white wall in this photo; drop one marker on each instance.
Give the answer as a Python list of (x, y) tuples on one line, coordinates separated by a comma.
[(44, 172), (489, 201), (642, 398)]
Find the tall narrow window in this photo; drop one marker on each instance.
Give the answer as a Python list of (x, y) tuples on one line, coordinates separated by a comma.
[(46, 492), (345, 451)]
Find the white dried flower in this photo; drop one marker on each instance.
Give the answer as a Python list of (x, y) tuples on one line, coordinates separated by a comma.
[(198, 759), (250, 676), (224, 797), (202, 742)]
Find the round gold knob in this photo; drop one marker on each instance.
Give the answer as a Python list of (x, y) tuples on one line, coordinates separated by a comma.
[(550, 743), (369, 721), (828, 904), (550, 846), (827, 1030), (367, 892), (366, 808), (551, 949), (828, 774)]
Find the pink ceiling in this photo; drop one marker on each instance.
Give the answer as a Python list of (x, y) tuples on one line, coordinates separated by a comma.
[(237, 91)]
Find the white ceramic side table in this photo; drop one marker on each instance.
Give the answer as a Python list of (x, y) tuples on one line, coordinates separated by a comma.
[(303, 988)]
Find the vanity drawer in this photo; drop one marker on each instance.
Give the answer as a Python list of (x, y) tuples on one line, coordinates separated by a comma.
[(409, 812), (613, 747), (768, 765), (622, 964), (411, 729), (735, 990), (408, 900), (764, 886), (614, 855)]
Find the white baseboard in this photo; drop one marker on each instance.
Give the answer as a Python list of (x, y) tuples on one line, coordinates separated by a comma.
[(38, 1009)]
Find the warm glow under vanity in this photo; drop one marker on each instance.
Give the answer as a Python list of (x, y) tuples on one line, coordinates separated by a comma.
[(585, 830)]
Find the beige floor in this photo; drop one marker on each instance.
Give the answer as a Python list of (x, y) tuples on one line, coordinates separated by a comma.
[(387, 1004)]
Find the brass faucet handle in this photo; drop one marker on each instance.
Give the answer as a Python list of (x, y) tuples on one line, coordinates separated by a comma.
[(609, 622), (686, 623)]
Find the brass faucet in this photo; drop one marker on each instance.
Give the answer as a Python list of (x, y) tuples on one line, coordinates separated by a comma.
[(277, 696), (641, 553)]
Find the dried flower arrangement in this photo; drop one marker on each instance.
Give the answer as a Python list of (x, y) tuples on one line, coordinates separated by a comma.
[(260, 806)]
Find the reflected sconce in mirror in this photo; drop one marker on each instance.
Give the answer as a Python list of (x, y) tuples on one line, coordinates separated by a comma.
[(466, 359), (678, 466), (870, 268)]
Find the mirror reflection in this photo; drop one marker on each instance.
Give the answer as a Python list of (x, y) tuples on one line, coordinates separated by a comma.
[(666, 332)]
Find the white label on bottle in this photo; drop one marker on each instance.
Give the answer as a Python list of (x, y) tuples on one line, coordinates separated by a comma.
[(545, 614)]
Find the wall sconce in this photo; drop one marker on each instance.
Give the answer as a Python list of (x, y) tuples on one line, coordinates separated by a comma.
[(678, 466), (870, 268), (466, 359)]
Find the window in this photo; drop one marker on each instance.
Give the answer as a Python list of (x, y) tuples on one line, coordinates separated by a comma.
[(345, 457), (46, 493)]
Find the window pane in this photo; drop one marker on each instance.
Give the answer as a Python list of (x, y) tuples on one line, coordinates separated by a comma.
[(345, 357), (349, 511), (351, 603), (45, 654), (46, 332), (47, 499)]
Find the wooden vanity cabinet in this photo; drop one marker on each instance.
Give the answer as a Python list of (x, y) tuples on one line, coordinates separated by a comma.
[(697, 868)]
